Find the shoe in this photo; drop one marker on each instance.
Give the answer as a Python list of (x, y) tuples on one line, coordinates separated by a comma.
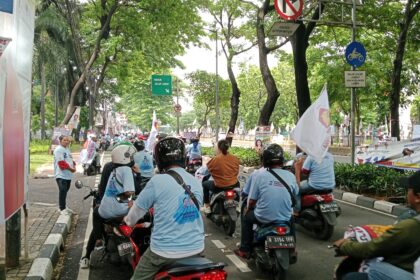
[(84, 263), (67, 212), (242, 254), (206, 210)]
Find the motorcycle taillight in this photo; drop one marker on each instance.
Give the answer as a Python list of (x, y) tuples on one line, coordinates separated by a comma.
[(125, 230), (229, 194), (281, 230), (214, 275)]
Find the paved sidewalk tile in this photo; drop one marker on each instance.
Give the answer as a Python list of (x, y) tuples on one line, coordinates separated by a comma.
[(41, 220)]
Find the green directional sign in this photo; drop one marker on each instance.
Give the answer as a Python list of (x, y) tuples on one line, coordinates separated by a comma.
[(161, 85)]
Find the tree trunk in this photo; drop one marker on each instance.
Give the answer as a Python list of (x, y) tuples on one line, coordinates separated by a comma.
[(269, 83), (396, 73), (234, 101), (43, 90)]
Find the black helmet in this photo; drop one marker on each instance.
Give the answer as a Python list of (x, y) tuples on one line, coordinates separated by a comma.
[(139, 145), (169, 151), (272, 155)]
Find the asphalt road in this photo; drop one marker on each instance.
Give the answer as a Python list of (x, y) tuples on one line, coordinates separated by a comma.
[(315, 260)]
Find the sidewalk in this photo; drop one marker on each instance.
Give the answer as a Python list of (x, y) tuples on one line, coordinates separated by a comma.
[(44, 227)]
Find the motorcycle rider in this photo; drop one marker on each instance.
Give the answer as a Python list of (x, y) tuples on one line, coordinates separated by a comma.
[(144, 160), (399, 245), (269, 200), (120, 184), (178, 230), (321, 175), (193, 149), (224, 168)]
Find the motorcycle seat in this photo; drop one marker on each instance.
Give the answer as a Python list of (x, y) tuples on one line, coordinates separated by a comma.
[(312, 191), (182, 266), (114, 221)]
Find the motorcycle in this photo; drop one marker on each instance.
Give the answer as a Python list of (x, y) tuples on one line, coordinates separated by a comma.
[(91, 167), (194, 164), (104, 145), (318, 212), (359, 234), (129, 244), (224, 204), (274, 249)]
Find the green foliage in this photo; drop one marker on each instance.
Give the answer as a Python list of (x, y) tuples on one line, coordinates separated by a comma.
[(39, 146), (369, 179), (36, 160)]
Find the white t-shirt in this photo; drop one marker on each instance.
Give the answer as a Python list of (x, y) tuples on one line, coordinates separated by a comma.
[(417, 269)]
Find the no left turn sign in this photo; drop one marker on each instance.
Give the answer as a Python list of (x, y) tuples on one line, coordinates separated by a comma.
[(289, 9)]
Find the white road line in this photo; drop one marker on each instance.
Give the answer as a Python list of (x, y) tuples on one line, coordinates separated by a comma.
[(238, 263), (370, 209), (44, 204), (84, 273), (219, 244)]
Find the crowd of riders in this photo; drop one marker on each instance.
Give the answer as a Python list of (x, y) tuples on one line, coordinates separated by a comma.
[(271, 195)]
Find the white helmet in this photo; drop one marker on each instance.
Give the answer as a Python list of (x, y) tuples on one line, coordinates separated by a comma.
[(123, 154)]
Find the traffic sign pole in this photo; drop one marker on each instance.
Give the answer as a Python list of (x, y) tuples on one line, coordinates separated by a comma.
[(353, 90), (177, 115)]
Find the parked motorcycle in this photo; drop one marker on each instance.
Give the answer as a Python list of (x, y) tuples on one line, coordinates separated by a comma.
[(223, 204), (318, 212), (104, 145), (274, 249), (91, 167)]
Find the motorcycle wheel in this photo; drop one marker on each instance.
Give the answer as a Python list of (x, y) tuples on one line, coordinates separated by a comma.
[(279, 272), (229, 226), (325, 232)]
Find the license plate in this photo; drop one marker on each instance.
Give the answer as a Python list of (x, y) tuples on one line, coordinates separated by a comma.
[(231, 203), (330, 207), (125, 248), (274, 242)]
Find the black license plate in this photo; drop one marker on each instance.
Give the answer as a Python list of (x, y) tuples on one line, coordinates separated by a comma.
[(330, 207), (231, 203), (125, 248), (274, 242)]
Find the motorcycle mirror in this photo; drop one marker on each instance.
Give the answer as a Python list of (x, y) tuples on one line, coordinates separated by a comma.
[(78, 184)]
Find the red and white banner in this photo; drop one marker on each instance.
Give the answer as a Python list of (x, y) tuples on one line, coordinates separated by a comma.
[(312, 132), (15, 103)]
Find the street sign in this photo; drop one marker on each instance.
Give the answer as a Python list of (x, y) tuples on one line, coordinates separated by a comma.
[(161, 85), (177, 108), (6, 6), (289, 9), (355, 54), (355, 79), (283, 29)]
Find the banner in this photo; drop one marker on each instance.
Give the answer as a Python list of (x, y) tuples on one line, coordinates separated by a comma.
[(262, 137), (75, 118), (15, 102), (150, 144), (312, 132), (399, 155)]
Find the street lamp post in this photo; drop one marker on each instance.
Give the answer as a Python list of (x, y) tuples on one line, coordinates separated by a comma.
[(217, 91)]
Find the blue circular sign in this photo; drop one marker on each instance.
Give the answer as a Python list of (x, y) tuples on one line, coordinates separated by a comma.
[(355, 54)]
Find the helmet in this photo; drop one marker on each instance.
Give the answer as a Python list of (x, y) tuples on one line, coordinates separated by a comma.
[(123, 154), (194, 140), (272, 155), (169, 151), (139, 145)]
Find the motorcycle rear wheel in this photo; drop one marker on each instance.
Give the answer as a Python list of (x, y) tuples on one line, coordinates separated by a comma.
[(279, 272), (325, 232), (229, 226)]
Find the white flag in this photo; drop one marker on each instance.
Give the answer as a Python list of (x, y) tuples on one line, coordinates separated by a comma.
[(151, 140), (312, 132)]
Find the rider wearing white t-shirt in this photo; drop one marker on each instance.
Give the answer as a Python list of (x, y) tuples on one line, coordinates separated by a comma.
[(178, 230)]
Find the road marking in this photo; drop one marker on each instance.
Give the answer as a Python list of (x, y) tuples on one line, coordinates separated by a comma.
[(238, 263), (373, 210), (84, 273), (44, 204), (219, 244)]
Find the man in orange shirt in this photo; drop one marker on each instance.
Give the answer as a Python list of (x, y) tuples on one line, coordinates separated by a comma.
[(224, 168)]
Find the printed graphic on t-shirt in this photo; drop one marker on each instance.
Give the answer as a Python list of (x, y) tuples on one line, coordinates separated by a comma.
[(145, 164), (187, 211), (111, 189)]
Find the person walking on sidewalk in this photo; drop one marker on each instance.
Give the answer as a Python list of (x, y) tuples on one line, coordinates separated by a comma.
[(64, 167)]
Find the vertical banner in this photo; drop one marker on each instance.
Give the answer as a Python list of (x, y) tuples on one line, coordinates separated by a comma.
[(15, 101), (74, 121)]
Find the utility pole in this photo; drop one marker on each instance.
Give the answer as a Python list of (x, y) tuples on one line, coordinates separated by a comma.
[(177, 113), (56, 103), (217, 91), (353, 90)]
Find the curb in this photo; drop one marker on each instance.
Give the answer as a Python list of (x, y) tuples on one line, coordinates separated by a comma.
[(380, 205), (48, 256)]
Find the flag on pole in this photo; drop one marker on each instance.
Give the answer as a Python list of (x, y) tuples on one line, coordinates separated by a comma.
[(150, 144), (312, 132)]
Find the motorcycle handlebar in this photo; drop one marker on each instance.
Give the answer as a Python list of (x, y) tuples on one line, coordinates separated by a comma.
[(86, 197)]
